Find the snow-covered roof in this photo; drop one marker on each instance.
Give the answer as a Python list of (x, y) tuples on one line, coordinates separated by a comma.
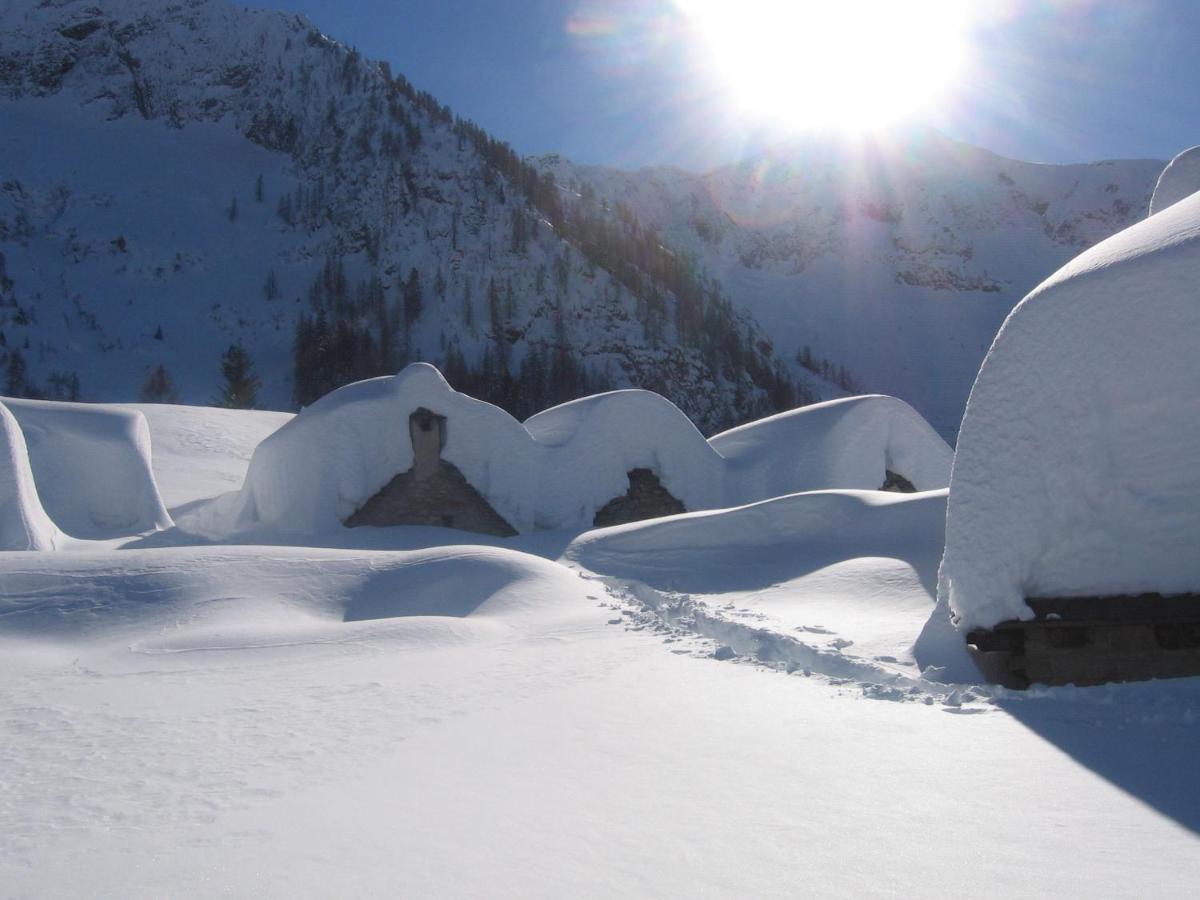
[(1076, 468), (1181, 178), (561, 466), (321, 466), (607, 435), (91, 464), (847, 443), (24, 524)]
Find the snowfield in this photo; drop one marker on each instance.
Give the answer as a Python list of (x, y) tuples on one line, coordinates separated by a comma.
[(209, 686), (722, 702)]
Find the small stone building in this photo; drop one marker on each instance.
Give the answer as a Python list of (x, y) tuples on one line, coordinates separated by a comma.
[(1072, 548)]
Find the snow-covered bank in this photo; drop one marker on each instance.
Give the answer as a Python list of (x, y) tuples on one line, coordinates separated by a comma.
[(1075, 471), (200, 598)]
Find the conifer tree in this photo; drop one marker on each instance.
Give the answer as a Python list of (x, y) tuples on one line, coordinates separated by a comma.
[(468, 308), (15, 378), (240, 387), (158, 387), (412, 297), (271, 287)]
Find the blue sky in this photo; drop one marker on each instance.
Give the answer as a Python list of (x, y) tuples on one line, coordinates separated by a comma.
[(627, 82)]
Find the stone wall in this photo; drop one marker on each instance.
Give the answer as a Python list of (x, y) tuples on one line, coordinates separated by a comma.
[(645, 499), (442, 497), (433, 491), (894, 481)]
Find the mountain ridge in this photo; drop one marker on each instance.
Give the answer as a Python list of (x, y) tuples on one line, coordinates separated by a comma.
[(241, 172)]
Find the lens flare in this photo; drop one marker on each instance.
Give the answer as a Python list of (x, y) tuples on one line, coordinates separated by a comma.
[(847, 64)]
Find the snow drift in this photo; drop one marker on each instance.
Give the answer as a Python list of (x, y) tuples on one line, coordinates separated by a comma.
[(561, 466), (203, 451), (1076, 471), (767, 542), (1181, 178), (91, 464), (182, 598), (24, 524)]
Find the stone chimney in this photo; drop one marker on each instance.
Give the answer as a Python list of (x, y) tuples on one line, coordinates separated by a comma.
[(428, 433)]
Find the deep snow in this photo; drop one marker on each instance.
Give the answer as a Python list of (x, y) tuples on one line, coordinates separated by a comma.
[(680, 707)]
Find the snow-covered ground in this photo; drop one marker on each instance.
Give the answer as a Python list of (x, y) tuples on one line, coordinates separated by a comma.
[(724, 702)]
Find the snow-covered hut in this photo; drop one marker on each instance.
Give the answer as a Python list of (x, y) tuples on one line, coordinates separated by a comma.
[(91, 464), (642, 458), (326, 466), (24, 524), (1181, 178), (871, 442), (1073, 521)]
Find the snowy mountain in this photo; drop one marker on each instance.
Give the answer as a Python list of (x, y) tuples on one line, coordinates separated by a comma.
[(896, 258), (177, 178), (181, 177)]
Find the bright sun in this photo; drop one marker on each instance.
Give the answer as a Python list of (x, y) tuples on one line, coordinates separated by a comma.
[(849, 64)]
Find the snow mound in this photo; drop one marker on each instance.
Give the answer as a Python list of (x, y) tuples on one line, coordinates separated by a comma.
[(564, 464), (836, 582), (91, 464), (24, 524), (1181, 178), (1076, 470), (210, 598), (739, 548), (848, 443), (203, 451)]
